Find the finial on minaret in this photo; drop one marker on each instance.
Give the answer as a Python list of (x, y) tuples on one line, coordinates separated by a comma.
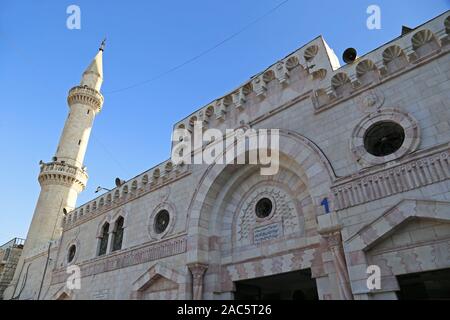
[(102, 45), (93, 76)]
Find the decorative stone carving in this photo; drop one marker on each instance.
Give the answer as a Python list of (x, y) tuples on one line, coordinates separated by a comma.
[(334, 242), (239, 99), (311, 52), (370, 101), (282, 73), (260, 88), (333, 239), (319, 74), (365, 66), (424, 169), (63, 174), (391, 53), (339, 80), (164, 194), (220, 110), (198, 271), (103, 206), (283, 211), (422, 37), (127, 258), (86, 96), (366, 72), (292, 62), (447, 25)]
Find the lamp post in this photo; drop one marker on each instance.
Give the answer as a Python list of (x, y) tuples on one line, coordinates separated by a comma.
[(99, 188)]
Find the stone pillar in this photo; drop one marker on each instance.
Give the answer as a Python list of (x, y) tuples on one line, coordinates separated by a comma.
[(334, 241), (198, 271)]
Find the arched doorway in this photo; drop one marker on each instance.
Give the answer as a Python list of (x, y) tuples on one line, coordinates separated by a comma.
[(295, 285), (248, 226)]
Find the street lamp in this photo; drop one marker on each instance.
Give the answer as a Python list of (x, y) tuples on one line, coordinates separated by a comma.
[(100, 189)]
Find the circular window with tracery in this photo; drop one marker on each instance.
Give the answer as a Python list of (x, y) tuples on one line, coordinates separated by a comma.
[(162, 220), (384, 136), (71, 253), (263, 208)]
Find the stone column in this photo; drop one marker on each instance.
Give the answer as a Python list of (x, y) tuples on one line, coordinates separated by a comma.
[(198, 271), (334, 241)]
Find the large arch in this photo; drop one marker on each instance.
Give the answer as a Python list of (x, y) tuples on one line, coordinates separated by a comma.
[(296, 152), (307, 176)]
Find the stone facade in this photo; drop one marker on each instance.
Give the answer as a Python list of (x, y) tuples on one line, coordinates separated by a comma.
[(337, 208)]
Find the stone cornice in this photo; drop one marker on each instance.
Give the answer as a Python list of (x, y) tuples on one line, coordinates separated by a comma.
[(87, 96), (127, 258), (129, 191), (63, 174), (368, 71), (414, 171), (409, 51), (359, 88), (311, 59)]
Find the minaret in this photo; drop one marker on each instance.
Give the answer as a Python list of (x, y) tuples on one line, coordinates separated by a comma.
[(65, 176)]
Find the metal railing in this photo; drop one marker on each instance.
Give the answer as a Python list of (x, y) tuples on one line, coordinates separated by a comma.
[(14, 243)]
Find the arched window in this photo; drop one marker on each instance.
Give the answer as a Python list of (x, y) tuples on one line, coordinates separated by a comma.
[(118, 234), (104, 240), (71, 253)]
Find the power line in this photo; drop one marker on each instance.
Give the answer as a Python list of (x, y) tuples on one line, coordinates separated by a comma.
[(230, 37), (110, 154)]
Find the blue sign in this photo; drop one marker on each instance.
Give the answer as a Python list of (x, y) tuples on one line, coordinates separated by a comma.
[(325, 205)]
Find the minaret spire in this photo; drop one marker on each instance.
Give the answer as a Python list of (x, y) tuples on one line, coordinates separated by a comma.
[(93, 76)]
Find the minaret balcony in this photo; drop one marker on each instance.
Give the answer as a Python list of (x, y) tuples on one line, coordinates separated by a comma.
[(87, 96), (63, 174)]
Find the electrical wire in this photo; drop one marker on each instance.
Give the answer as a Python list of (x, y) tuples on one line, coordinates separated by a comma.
[(110, 154), (23, 283), (201, 54)]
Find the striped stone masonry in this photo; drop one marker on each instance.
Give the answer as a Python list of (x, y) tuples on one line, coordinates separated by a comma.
[(425, 255), (304, 258)]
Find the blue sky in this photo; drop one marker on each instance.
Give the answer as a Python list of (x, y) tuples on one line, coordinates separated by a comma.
[(40, 60)]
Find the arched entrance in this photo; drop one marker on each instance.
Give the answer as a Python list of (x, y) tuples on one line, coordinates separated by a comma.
[(295, 285), (244, 226)]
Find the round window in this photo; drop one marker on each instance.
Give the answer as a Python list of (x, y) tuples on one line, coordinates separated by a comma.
[(263, 208), (384, 138), (71, 254), (162, 221)]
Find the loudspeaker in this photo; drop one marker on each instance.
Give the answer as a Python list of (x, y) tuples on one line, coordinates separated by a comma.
[(349, 55), (119, 182)]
